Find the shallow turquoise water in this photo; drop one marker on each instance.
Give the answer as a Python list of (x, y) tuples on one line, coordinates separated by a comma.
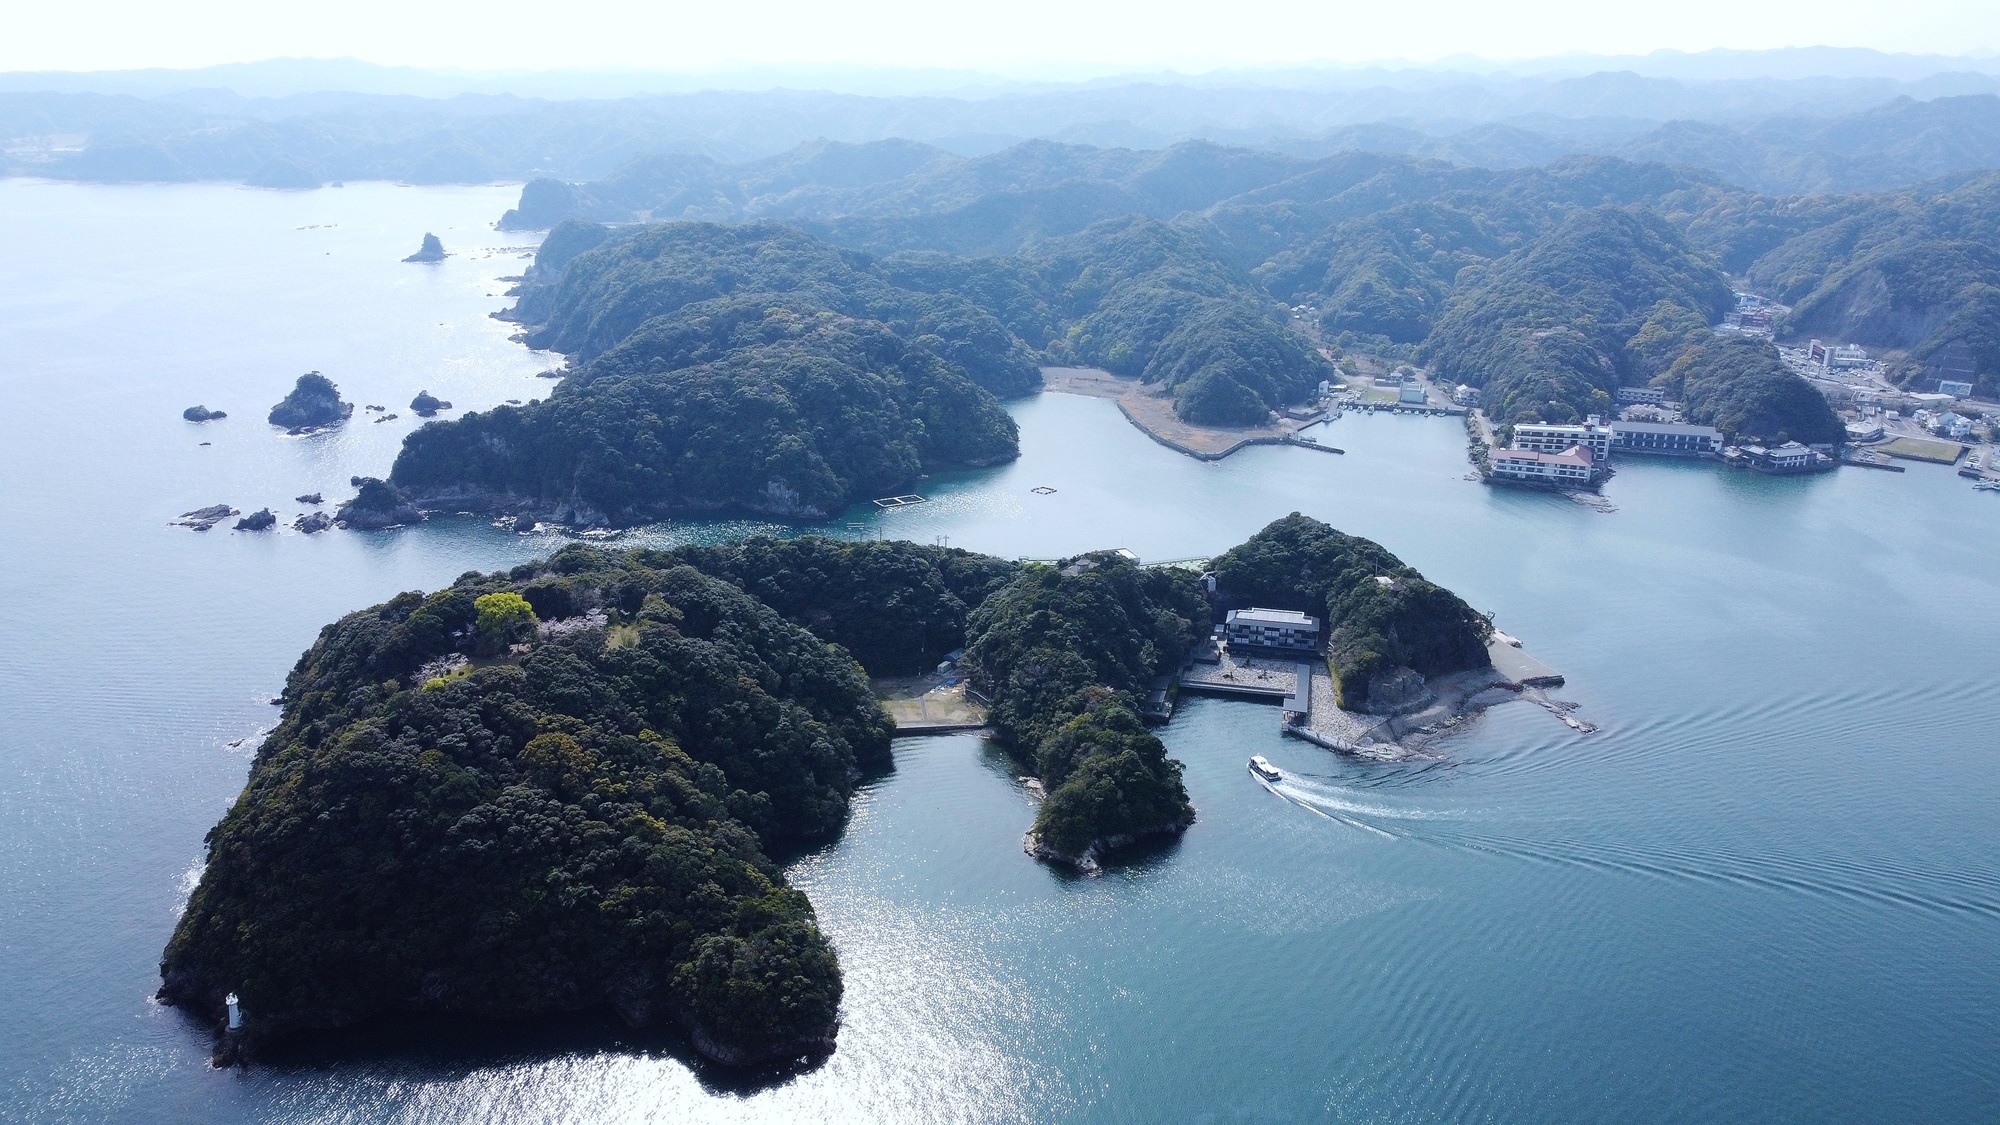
[(1766, 890)]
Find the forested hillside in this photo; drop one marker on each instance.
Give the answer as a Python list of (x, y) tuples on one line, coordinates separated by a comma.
[(1066, 656), (1137, 296), (1915, 272), (746, 403), (898, 607), (1384, 620), (1543, 331), (1546, 287), (541, 792), (712, 356), (553, 790)]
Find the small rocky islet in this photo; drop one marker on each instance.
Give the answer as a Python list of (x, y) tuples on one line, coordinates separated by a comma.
[(426, 404), (314, 403), (432, 250), (202, 519)]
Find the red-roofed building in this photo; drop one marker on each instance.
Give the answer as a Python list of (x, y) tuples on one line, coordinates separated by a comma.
[(1571, 466)]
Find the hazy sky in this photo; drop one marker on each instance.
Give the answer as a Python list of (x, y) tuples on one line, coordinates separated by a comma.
[(1006, 36)]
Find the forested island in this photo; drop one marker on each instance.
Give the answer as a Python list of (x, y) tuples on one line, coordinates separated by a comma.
[(312, 402), (557, 789)]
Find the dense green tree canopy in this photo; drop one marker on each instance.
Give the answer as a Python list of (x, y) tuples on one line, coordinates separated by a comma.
[(726, 405), (575, 826), (1066, 655), (1742, 388), (1544, 330), (898, 607), (1380, 615)]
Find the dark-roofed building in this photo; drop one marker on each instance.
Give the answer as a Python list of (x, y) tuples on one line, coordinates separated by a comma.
[(1674, 439), (1286, 629)]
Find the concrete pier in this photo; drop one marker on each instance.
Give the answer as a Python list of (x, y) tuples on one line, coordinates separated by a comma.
[(1521, 668), (1254, 677)]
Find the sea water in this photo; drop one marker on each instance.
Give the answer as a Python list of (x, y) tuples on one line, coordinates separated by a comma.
[(1765, 890)]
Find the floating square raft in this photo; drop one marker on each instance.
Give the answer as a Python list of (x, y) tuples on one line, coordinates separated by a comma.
[(899, 501)]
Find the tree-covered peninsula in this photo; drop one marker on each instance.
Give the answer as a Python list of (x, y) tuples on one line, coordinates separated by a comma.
[(556, 789), (1066, 655), (1386, 623), (732, 405), (541, 792), (726, 369)]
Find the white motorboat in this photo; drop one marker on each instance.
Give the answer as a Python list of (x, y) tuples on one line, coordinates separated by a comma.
[(1264, 769)]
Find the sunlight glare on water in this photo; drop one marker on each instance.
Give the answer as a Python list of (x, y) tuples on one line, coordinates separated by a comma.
[(1764, 891)]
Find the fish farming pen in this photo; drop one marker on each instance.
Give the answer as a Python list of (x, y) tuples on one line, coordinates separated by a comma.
[(891, 502), (1042, 490)]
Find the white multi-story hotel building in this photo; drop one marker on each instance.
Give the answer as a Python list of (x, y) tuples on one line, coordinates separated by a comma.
[(1544, 437)]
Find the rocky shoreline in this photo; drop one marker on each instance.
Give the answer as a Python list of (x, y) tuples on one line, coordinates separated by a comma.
[(243, 1045), (1103, 849), (1445, 704)]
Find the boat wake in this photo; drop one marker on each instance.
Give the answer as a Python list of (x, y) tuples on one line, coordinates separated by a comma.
[(1339, 804)]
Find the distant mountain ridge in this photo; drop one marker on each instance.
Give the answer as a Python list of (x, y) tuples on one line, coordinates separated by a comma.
[(1782, 136)]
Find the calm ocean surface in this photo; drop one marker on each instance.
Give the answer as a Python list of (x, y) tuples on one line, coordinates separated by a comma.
[(1767, 890)]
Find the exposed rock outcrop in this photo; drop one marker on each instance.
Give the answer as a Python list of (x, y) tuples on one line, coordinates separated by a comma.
[(259, 520), (314, 402), (313, 522), (1398, 690), (202, 414), (201, 519), (310, 498), (1094, 855), (431, 251), (427, 404), (377, 504)]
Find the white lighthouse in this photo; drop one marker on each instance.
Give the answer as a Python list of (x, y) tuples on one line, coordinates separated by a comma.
[(235, 1013)]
